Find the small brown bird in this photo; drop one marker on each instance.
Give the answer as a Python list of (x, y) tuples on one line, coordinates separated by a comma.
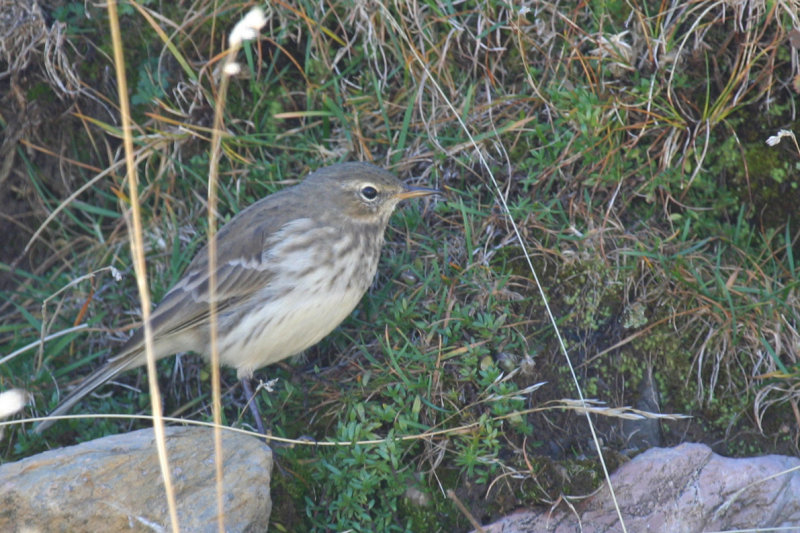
[(290, 268)]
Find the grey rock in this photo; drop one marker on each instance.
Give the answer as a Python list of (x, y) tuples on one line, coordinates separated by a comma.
[(114, 484), (686, 489)]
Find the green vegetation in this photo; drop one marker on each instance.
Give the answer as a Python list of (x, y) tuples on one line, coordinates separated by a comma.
[(627, 139)]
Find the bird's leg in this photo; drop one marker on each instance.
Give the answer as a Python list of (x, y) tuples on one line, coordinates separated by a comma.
[(251, 403)]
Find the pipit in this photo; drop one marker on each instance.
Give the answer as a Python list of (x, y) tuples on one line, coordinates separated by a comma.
[(290, 268)]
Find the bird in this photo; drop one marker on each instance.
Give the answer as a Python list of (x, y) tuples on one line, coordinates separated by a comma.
[(289, 269)]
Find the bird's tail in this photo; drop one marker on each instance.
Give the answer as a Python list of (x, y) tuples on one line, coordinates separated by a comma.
[(111, 369)]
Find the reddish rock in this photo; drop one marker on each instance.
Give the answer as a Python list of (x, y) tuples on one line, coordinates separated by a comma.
[(683, 489)]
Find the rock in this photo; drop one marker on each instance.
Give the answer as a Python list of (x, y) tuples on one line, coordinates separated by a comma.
[(683, 489), (114, 484)]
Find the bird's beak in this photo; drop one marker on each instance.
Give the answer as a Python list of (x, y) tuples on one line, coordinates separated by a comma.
[(414, 192)]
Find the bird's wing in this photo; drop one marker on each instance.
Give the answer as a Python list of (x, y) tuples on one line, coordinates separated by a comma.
[(242, 268)]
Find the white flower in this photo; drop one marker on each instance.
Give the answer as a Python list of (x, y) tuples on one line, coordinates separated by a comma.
[(12, 401), (232, 69), (775, 139), (248, 27), (269, 386)]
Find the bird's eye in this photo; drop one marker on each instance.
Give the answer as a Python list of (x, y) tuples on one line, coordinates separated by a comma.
[(368, 192)]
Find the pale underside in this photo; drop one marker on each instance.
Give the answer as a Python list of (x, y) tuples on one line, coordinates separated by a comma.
[(307, 294)]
